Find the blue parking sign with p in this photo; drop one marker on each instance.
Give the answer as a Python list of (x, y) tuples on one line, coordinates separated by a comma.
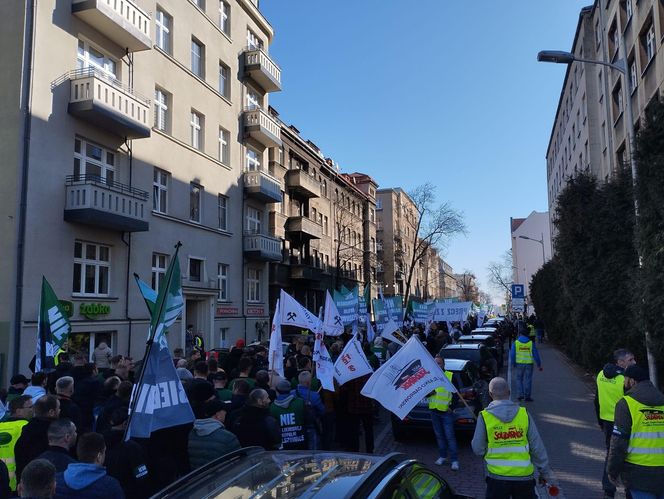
[(518, 291)]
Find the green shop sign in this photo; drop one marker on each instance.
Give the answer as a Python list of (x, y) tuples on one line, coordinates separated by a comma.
[(67, 307), (94, 310)]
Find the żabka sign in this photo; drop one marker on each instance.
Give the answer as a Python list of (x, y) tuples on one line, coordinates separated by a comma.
[(93, 310)]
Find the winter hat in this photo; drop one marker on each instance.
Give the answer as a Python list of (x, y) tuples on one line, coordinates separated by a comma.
[(637, 373)]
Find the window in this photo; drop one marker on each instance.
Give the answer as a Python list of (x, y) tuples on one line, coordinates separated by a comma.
[(647, 44), (90, 57), (159, 264), (254, 217), (197, 58), (325, 227), (195, 192), (163, 24), (252, 160), (617, 101), (629, 9), (225, 17), (200, 4), (252, 99), (633, 79), (196, 130), (314, 214), (253, 42), (598, 34), (222, 281), (224, 80), (92, 267), (160, 190), (222, 208), (603, 137), (224, 146), (161, 114), (195, 269), (93, 161), (253, 285), (379, 204)]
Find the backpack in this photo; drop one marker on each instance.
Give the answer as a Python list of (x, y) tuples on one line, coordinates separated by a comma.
[(310, 418)]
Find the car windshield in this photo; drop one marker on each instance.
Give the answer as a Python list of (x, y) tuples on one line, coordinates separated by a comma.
[(461, 353)]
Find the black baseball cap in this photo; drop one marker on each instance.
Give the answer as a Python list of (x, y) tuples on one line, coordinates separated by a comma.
[(18, 378)]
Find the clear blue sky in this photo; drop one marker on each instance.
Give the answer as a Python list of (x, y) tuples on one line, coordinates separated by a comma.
[(442, 91)]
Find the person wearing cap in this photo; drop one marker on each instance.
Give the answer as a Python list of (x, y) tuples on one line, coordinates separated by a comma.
[(17, 385), (288, 410), (636, 454), (209, 438), (219, 380)]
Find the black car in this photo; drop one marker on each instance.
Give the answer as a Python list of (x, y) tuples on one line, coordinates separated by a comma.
[(476, 353), (474, 390), (255, 473), (487, 339)]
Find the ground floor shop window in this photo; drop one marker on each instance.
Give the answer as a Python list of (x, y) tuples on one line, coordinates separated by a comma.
[(85, 343)]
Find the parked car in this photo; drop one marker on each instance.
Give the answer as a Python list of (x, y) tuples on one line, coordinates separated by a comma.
[(493, 343), (253, 472), (473, 389), (476, 353)]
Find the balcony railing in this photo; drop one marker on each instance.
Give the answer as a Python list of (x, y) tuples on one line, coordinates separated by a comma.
[(106, 102), (260, 126), (259, 67), (121, 21), (259, 185), (305, 271), (200, 283), (303, 228), (93, 200), (300, 182), (262, 247)]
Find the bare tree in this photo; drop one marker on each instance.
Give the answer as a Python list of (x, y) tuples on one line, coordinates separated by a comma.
[(432, 227), (467, 288), (484, 297), (500, 273), (348, 248)]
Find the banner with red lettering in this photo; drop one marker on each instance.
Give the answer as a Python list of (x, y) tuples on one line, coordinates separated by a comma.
[(352, 363)]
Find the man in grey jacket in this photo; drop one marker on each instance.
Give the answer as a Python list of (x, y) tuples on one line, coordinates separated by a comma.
[(512, 448), (209, 439)]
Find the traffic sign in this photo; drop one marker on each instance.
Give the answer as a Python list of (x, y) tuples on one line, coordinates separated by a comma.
[(518, 291)]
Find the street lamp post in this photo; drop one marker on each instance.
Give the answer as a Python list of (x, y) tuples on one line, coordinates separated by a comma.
[(561, 57), (541, 241)]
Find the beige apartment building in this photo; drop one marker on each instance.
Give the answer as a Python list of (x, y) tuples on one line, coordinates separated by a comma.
[(590, 128), (131, 125)]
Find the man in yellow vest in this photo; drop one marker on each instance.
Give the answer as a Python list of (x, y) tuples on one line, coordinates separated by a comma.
[(636, 454), (507, 438), (442, 419), (20, 411), (523, 355), (610, 381)]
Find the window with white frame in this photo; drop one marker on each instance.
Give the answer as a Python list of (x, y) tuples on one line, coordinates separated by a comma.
[(195, 199), (161, 113), (159, 264), (196, 269), (253, 99), (222, 206), (223, 272), (253, 285), (224, 146), (196, 124), (163, 23), (252, 160), (91, 57), (253, 42), (225, 17), (197, 58), (224, 80), (647, 44), (92, 269), (200, 4), (629, 9), (93, 162), (633, 78), (253, 220), (160, 183)]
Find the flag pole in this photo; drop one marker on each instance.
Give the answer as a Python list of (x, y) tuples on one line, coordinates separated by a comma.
[(149, 343)]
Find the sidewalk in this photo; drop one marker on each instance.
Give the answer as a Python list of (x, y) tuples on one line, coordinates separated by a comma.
[(565, 417)]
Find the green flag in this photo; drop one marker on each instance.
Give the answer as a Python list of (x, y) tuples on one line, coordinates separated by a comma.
[(52, 329), (169, 302)]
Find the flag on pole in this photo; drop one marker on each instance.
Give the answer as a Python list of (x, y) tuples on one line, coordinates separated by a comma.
[(53, 329), (406, 378), (324, 366), (294, 314), (391, 332), (352, 363), (332, 323), (276, 350), (148, 294)]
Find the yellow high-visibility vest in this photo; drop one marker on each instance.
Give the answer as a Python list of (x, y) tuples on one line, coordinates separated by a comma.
[(441, 398), (508, 452), (646, 442), (524, 352), (9, 433), (609, 392)]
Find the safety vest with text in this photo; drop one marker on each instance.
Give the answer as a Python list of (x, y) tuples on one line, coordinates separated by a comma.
[(441, 398), (291, 424), (9, 433), (646, 442), (524, 352), (609, 392), (508, 452)]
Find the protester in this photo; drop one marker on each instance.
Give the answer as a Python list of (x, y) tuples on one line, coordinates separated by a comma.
[(219, 379), (636, 453), (313, 409), (34, 436), (17, 385), (61, 439), (263, 381), (240, 394), (87, 393), (88, 477), (64, 388), (609, 390), (360, 411), (288, 411), (37, 388), (20, 411), (120, 399), (38, 480), (244, 367), (5, 491), (442, 420), (209, 438), (253, 424), (101, 356), (233, 358), (178, 354), (213, 368), (379, 350), (505, 425), (523, 355)]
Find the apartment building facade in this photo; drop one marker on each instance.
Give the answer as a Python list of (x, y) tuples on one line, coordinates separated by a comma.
[(140, 126), (590, 130)]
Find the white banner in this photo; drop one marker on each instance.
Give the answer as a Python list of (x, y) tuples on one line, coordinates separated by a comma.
[(325, 368), (371, 334), (391, 332), (333, 324), (406, 378), (294, 314), (276, 350), (452, 312), (352, 363)]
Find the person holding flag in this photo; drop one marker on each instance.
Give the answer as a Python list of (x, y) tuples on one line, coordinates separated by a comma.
[(53, 329), (442, 419)]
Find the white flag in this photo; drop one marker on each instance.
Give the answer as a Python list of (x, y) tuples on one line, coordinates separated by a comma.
[(294, 314), (276, 351), (406, 378), (391, 332), (333, 324), (352, 363), (371, 334), (325, 368)]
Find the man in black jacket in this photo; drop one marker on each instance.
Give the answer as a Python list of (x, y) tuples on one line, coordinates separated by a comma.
[(64, 388), (253, 424), (34, 437), (61, 439)]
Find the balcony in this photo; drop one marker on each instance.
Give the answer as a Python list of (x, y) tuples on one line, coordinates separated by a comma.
[(203, 286), (277, 224), (305, 272), (105, 102), (303, 228), (261, 247), (259, 67), (92, 200), (261, 127), (259, 185), (300, 182)]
